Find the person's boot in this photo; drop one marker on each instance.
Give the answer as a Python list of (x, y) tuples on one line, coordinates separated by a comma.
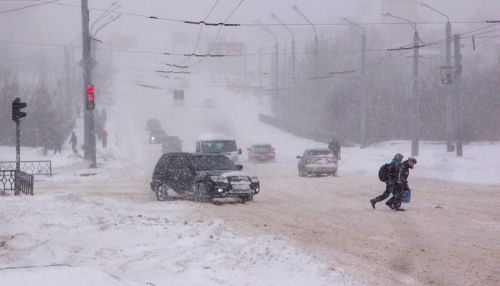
[(399, 209), (389, 205), (373, 202)]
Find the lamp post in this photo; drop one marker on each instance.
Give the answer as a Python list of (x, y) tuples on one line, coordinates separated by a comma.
[(276, 64), (362, 130), (316, 60), (449, 104), (293, 40), (415, 136)]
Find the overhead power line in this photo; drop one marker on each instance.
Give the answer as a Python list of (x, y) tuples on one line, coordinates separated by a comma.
[(27, 6)]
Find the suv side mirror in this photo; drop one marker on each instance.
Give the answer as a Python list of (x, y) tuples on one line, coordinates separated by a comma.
[(239, 152), (239, 167)]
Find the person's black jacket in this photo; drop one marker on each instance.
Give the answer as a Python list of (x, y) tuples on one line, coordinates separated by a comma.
[(404, 172)]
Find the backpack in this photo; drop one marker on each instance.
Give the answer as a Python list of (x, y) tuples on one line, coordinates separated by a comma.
[(383, 172)]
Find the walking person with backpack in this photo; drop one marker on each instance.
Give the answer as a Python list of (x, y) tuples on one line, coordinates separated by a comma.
[(401, 190), (388, 174)]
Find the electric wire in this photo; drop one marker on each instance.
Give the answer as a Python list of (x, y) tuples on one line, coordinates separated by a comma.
[(28, 6)]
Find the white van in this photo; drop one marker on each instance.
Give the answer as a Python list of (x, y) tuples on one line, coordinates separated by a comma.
[(218, 143)]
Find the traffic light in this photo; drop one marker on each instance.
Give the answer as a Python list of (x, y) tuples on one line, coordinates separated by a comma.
[(17, 105), (90, 98)]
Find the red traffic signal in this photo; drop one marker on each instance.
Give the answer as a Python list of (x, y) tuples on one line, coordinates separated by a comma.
[(17, 105), (90, 97)]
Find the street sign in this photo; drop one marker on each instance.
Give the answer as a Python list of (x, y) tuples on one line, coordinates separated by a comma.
[(446, 74)]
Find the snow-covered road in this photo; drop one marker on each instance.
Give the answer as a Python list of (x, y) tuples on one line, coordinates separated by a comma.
[(298, 231)]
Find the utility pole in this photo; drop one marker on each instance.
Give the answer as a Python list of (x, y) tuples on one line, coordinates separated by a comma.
[(449, 104), (415, 116), (458, 96), (293, 41), (415, 97), (364, 90), (276, 67), (316, 58), (364, 86), (260, 67), (89, 125), (447, 88)]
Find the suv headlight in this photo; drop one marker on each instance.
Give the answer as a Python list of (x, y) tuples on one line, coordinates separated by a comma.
[(254, 179), (219, 179)]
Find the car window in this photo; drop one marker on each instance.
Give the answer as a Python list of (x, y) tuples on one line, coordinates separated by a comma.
[(320, 152), (176, 162), (262, 147), (204, 163)]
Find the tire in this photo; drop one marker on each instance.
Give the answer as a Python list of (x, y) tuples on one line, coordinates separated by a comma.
[(161, 193), (334, 173), (245, 199)]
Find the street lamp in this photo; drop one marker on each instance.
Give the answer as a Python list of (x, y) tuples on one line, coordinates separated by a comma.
[(414, 89), (316, 60), (276, 62), (449, 104), (293, 41), (364, 86)]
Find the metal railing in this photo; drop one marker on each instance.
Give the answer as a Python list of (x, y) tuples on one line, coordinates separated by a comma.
[(19, 183), (29, 167), (7, 180), (24, 183)]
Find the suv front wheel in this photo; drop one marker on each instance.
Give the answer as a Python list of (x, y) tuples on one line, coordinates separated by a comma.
[(161, 192)]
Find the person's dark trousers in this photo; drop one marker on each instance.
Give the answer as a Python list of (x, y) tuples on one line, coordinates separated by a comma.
[(386, 194), (395, 202)]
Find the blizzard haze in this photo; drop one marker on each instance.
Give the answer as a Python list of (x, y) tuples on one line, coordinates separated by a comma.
[(293, 74)]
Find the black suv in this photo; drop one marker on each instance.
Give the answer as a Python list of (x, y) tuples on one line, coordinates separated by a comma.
[(201, 177)]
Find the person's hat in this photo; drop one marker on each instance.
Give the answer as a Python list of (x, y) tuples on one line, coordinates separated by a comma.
[(412, 161), (398, 157)]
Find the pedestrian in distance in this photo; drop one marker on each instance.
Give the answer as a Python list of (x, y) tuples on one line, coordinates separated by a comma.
[(73, 141), (334, 146), (57, 146), (388, 174), (401, 189), (104, 137)]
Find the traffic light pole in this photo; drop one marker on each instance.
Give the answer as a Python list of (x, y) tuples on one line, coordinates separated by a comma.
[(89, 126), (18, 157)]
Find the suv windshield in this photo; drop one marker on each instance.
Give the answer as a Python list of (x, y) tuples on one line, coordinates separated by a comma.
[(204, 163), (218, 146)]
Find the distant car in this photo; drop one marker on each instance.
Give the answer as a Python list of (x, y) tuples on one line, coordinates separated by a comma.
[(218, 143), (208, 103), (202, 177), (311, 156), (261, 152), (157, 136), (153, 124), (320, 165)]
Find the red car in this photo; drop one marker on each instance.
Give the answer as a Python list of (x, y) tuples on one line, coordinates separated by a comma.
[(261, 153)]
